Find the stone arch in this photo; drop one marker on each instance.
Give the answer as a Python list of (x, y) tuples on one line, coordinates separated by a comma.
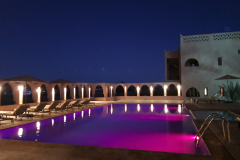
[(119, 91), (132, 91), (77, 91), (192, 92), (68, 96), (57, 92), (27, 94), (172, 90), (158, 90), (191, 63), (99, 91), (6, 94), (44, 94), (144, 91)]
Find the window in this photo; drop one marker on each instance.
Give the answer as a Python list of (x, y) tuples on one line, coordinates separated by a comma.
[(206, 91), (191, 63), (219, 61), (222, 91), (239, 51)]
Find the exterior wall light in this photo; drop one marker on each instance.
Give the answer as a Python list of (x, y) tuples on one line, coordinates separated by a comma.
[(53, 94), (20, 88), (206, 91), (179, 90), (39, 95), (82, 92), (125, 91), (65, 93), (138, 89), (151, 89), (111, 90), (165, 90), (74, 93), (89, 92)]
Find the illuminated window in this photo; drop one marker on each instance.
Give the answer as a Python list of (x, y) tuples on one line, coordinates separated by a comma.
[(219, 61), (222, 91), (206, 91)]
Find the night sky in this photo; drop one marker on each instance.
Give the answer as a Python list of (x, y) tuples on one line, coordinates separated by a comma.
[(103, 40)]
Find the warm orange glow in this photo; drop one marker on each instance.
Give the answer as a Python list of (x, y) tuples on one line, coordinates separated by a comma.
[(53, 94), (74, 93), (179, 90), (39, 94), (82, 92), (111, 90), (65, 93), (89, 92), (138, 89), (151, 89), (20, 88), (165, 90)]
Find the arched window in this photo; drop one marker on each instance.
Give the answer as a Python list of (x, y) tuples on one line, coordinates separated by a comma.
[(44, 93), (77, 92), (119, 91), (27, 94), (68, 93), (144, 91), (132, 91), (191, 63), (172, 90), (99, 91), (192, 92), (6, 95), (158, 90), (57, 93)]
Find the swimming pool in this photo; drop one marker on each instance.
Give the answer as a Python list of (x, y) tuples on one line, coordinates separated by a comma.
[(153, 127)]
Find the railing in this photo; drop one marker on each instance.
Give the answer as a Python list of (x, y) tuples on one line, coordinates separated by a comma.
[(204, 128)]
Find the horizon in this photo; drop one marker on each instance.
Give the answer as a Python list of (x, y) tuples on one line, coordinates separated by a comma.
[(103, 41)]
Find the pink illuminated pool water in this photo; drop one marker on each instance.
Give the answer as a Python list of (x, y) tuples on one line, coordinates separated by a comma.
[(158, 127)]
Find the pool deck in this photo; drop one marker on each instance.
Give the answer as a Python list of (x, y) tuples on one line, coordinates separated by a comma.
[(219, 148)]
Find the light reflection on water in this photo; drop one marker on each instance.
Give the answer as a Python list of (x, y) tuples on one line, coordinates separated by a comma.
[(131, 126)]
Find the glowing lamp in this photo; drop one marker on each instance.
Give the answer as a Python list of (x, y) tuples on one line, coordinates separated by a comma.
[(53, 94), (74, 93), (39, 94), (82, 92), (65, 93), (89, 92), (20, 88)]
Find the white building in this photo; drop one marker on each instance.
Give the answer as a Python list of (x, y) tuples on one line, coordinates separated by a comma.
[(201, 59)]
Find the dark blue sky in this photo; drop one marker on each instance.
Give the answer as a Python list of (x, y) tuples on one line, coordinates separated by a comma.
[(102, 41)]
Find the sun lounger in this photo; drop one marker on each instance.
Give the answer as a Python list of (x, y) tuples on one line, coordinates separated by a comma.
[(206, 99), (62, 106), (72, 104), (49, 108), (17, 112), (37, 109)]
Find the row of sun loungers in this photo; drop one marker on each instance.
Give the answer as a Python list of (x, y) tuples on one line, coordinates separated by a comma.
[(213, 98), (26, 111)]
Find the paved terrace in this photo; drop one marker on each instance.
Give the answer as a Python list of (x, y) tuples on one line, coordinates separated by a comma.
[(218, 147)]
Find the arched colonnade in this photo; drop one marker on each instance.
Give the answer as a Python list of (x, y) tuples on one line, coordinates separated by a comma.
[(46, 91)]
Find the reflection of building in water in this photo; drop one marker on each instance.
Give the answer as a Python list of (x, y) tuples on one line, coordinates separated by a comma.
[(74, 116), (111, 109), (165, 108), (138, 107), (179, 108), (82, 114), (152, 108), (125, 107), (89, 112), (52, 122), (20, 132)]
